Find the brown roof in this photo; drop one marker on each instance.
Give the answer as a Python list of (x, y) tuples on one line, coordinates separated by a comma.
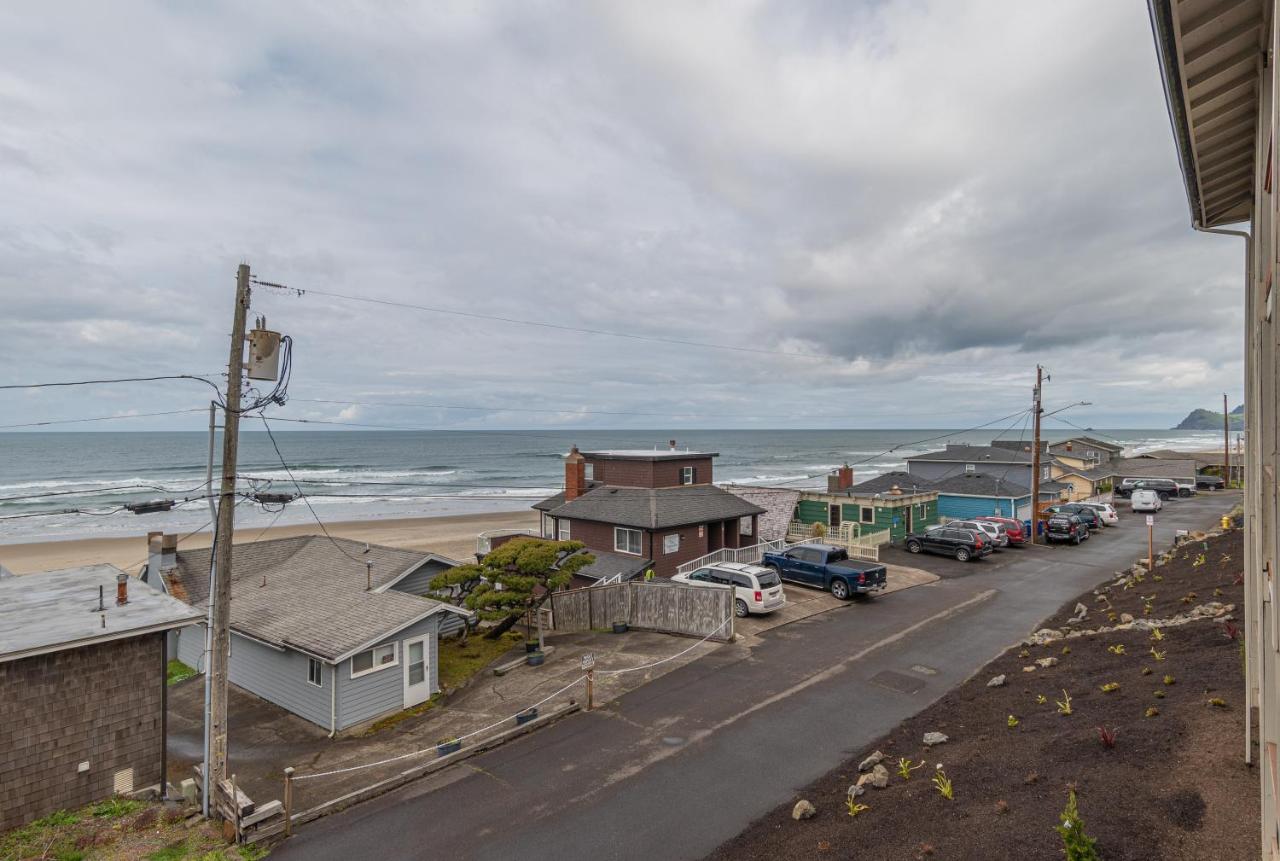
[(656, 507)]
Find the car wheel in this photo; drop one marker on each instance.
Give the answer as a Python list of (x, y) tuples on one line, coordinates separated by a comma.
[(914, 547), (1075, 539), (840, 589), (1163, 496), (740, 608), (962, 554)]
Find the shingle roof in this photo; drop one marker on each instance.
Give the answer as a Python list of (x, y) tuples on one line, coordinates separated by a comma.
[(779, 505), (975, 454), (1149, 467), (904, 481), (610, 564), (55, 610), (306, 593), (558, 500), (980, 484), (656, 507)]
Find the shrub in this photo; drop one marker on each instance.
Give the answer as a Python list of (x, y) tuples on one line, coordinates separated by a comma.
[(1064, 706), (1076, 845), (1110, 686), (1013, 721), (1107, 737), (1218, 702), (854, 807), (942, 783)]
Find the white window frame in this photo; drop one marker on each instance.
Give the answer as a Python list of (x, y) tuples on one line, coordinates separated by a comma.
[(589, 471), (564, 531), (969, 467), (621, 530), (744, 525), (394, 662), (862, 514), (667, 549), (687, 474), (315, 670), (548, 526)]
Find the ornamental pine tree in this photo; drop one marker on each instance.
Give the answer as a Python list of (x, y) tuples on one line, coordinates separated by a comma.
[(1077, 845)]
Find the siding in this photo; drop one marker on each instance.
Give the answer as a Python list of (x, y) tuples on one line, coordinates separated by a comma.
[(382, 692), (811, 511), (280, 678), (189, 646), (964, 507), (418, 582)]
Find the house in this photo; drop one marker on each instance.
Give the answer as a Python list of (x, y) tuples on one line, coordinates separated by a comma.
[(886, 502), (1180, 470), (1006, 463), (336, 631), (659, 506), (976, 494), (1083, 452), (82, 688)]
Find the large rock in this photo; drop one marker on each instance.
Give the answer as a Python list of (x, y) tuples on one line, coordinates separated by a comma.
[(879, 777), (857, 789), (932, 738), (1044, 635), (1081, 612), (1045, 663), (996, 682), (871, 761), (1126, 618), (803, 810)]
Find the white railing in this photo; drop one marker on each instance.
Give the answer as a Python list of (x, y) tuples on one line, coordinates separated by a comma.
[(859, 542), (753, 553), (484, 540)]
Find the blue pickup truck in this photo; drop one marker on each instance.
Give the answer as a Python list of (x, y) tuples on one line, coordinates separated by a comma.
[(826, 567)]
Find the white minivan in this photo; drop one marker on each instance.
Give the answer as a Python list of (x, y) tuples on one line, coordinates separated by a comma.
[(1145, 500), (756, 589)]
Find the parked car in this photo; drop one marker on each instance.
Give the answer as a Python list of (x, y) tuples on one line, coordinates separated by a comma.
[(1210, 482), (1105, 510), (1015, 530), (1087, 515), (994, 531), (963, 544), (1065, 528), (1146, 500), (827, 567), (756, 589), (1166, 488)]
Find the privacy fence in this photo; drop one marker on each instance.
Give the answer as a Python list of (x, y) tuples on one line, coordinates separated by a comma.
[(670, 608)]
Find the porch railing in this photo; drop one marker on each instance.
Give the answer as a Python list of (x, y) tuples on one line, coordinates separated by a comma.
[(859, 541), (753, 553)]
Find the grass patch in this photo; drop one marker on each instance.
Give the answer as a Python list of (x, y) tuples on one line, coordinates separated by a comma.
[(115, 807), (176, 671), (404, 714), (459, 663)]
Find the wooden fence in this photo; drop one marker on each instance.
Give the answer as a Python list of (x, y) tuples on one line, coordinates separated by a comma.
[(659, 605)]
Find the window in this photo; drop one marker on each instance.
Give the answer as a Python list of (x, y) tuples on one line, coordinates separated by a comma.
[(742, 581), (1044, 474), (627, 540), (670, 543), (589, 471), (744, 525), (372, 660), (315, 672), (687, 474), (968, 467), (564, 529), (868, 514), (548, 526), (701, 575)]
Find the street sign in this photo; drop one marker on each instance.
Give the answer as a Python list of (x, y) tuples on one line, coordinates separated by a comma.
[(588, 660), (1151, 520)]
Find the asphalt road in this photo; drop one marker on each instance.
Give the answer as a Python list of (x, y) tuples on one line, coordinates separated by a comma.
[(676, 767)]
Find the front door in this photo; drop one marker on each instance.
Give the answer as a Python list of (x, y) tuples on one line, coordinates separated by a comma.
[(417, 682)]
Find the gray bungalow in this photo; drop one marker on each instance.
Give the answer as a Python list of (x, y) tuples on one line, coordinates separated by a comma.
[(998, 462), (338, 632)]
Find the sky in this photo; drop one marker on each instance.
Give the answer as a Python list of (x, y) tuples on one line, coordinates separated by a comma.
[(878, 214)]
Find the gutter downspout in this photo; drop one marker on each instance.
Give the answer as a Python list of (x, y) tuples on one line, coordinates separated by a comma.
[(333, 704)]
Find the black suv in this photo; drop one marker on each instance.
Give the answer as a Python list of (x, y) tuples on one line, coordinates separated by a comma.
[(1165, 488), (1087, 515), (1210, 482), (1065, 527), (963, 544)]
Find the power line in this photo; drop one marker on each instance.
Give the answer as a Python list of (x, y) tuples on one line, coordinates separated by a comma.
[(101, 418), (196, 377), (97, 490)]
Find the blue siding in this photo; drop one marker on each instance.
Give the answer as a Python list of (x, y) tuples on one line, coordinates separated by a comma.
[(953, 507), (188, 646), (418, 582), (280, 678), (375, 694)]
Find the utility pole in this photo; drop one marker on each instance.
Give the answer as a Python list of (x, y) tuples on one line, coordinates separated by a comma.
[(1226, 442), (1036, 410), (216, 769)]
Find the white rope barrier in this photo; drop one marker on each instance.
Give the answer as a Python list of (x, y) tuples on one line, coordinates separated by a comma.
[(670, 658), (433, 747)]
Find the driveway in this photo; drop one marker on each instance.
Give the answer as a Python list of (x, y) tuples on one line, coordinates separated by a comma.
[(673, 769)]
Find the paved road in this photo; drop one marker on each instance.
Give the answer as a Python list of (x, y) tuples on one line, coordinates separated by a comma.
[(676, 767)]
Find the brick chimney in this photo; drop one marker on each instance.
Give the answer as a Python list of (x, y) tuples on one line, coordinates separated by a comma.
[(162, 557), (840, 480), (575, 474)]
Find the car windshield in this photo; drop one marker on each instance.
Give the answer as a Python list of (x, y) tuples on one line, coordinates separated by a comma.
[(768, 579)]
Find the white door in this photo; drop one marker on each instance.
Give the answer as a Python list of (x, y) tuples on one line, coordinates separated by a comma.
[(417, 681)]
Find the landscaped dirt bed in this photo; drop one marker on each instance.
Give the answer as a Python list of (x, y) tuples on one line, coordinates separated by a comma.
[(1174, 786)]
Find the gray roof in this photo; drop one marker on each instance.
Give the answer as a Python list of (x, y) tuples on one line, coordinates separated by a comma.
[(779, 505), (1089, 441), (976, 454), (980, 484), (56, 610), (646, 454), (1146, 467), (656, 507), (309, 592), (610, 564), (904, 481), (558, 500)]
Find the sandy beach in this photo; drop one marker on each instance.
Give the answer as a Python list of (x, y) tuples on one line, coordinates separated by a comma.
[(452, 536)]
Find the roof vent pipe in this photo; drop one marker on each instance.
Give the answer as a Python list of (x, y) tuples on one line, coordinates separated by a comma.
[(368, 574), (672, 443), (122, 589)]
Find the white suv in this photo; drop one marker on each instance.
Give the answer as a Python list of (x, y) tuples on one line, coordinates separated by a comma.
[(756, 589), (1105, 511)]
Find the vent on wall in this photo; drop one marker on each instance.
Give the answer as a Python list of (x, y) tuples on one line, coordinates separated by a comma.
[(123, 784)]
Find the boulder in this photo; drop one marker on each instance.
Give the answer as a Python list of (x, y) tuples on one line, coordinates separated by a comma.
[(932, 738), (1044, 635), (996, 682), (879, 777), (1031, 669), (856, 789), (1046, 662), (803, 810), (1126, 618), (1080, 613), (871, 761)]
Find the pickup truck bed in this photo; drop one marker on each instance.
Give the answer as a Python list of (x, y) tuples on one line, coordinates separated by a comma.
[(825, 567)]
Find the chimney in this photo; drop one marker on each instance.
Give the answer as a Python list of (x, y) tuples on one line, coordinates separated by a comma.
[(575, 474), (846, 477), (122, 589), (1068, 445)]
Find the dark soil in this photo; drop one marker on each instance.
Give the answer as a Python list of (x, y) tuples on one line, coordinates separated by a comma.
[(1174, 786)]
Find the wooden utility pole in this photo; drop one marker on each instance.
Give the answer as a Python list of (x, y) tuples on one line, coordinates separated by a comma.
[(1036, 410), (1226, 442), (216, 771)]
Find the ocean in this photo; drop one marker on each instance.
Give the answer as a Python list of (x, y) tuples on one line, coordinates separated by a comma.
[(361, 475)]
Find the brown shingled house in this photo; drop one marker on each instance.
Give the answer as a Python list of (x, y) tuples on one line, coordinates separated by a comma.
[(659, 506)]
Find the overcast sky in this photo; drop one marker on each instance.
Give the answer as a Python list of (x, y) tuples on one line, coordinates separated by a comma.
[(904, 206)]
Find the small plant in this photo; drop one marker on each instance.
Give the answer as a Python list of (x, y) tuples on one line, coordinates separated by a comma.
[(1146, 671), (1157, 578), (1199, 561), (1157, 634), (1217, 593), (1111, 616), (1168, 680), (1159, 656), (1013, 721), (1064, 707), (1158, 694), (1138, 576), (1076, 845), (905, 767), (1107, 737), (1151, 712), (1041, 699), (1231, 630), (942, 783), (854, 807), (1218, 703), (1117, 649), (1110, 686), (1066, 650), (1024, 654)]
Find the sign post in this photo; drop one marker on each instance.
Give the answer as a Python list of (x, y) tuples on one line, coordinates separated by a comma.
[(589, 664), (1151, 546)]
